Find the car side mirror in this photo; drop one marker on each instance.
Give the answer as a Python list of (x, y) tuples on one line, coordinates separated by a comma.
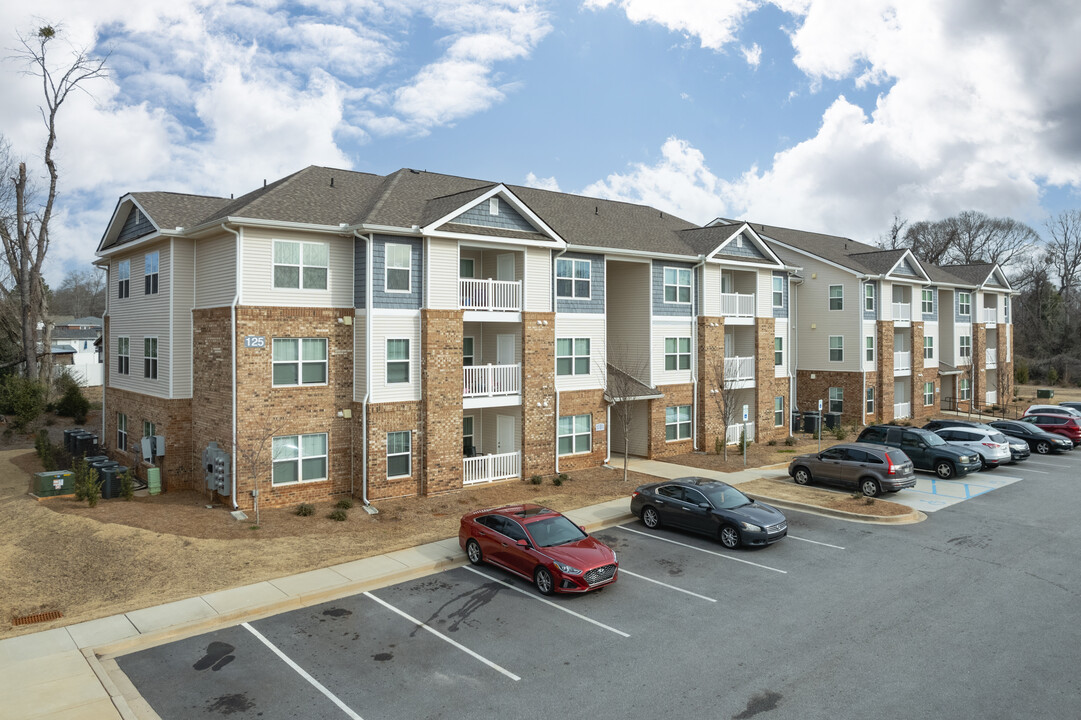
[(923, 446), (582, 529), (523, 543), (705, 506)]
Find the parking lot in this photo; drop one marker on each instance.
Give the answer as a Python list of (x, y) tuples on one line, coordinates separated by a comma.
[(959, 616)]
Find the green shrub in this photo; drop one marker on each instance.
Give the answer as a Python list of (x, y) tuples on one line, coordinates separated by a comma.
[(305, 509), (73, 404), (127, 485), (22, 399), (338, 514), (840, 433), (1020, 372), (717, 446), (564, 477), (86, 482), (1052, 376), (558, 480), (344, 504), (790, 441), (771, 442), (42, 444), (536, 479)]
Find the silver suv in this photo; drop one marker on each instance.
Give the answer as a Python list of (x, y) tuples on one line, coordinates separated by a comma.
[(874, 469)]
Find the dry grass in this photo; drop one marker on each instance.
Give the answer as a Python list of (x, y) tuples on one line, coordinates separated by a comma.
[(759, 454), (848, 502)]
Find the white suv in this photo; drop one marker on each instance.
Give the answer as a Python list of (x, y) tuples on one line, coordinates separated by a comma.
[(992, 446), (1052, 410)]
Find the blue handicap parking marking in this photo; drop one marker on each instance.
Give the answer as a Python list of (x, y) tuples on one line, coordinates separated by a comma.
[(948, 492)]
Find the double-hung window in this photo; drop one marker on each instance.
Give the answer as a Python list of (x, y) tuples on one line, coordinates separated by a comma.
[(869, 348), (123, 275), (778, 351), (299, 361), (467, 432), (928, 347), (123, 355), (468, 357), (574, 434), (869, 297), (677, 353), (399, 454), (148, 429), (964, 303), (870, 402), (121, 432), (150, 274), (928, 302), (572, 279), (572, 356), (778, 291), (301, 265), (677, 422), (837, 399), (837, 348), (299, 458), (966, 346), (466, 267), (837, 297), (150, 358), (399, 259), (397, 360), (778, 411), (963, 391), (929, 393), (677, 285)]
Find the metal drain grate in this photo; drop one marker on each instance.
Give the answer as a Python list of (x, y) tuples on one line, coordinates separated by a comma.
[(37, 617)]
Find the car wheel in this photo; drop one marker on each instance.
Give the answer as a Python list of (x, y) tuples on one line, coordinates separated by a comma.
[(802, 476), (729, 537), (1043, 447), (944, 469), (543, 580), (983, 464), (472, 551), (870, 488), (650, 517)]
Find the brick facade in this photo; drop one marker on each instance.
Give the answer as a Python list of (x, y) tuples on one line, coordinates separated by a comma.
[(585, 402), (172, 420), (979, 363), (884, 389), (811, 390), (710, 343), (441, 407), (538, 393), (212, 370), (1005, 369), (673, 395), (767, 385), (384, 418), (922, 413)]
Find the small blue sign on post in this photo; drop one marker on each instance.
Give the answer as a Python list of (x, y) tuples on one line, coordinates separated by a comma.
[(745, 414), (820, 405)]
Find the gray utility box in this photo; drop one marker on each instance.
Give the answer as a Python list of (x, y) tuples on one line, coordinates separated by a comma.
[(216, 467)]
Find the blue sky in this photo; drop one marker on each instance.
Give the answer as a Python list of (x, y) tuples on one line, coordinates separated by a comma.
[(828, 116)]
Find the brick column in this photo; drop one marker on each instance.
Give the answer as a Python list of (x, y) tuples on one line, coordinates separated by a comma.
[(918, 378), (764, 377), (441, 401), (538, 394), (710, 377), (1003, 366), (979, 363), (884, 392)]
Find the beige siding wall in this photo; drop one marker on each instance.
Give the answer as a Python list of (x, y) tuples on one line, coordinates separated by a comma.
[(215, 271), (584, 326), (711, 290), (870, 329), (663, 329), (764, 300), (386, 326), (183, 284), (138, 317), (813, 299), (781, 331), (538, 280), (628, 289), (947, 327), (257, 278), (442, 274)]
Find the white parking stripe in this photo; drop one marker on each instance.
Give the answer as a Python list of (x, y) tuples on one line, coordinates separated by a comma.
[(1038, 472), (1060, 466), (814, 542), (710, 552), (624, 571), (548, 602), (315, 683), (441, 636)]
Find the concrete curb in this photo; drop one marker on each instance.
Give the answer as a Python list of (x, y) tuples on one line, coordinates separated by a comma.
[(913, 516)]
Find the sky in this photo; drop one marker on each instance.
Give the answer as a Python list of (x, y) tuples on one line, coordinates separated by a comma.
[(825, 115)]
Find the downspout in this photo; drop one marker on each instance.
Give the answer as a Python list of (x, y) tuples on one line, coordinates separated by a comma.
[(367, 365), (555, 376), (694, 351), (232, 329), (105, 357), (862, 346), (793, 349)]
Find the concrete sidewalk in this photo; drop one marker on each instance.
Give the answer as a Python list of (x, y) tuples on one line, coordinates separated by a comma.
[(671, 471), (69, 674)]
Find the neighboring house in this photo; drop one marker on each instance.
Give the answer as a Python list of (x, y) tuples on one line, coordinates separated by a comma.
[(414, 333), (85, 361)]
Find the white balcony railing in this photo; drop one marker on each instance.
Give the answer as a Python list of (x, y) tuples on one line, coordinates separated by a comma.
[(902, 311), (737, 305), (490, 380), (495, 295), (990, 357), (739, 368), (487, 468), (992, 397), (902, 360), (902, 410), (731, 436), (990, 315)]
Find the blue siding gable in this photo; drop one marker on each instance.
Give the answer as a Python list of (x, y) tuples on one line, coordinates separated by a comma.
[(905, 268), (958, 317), (933, 315), (660, 307), (135, 226), (595, 303), (780, 312), (382, 299), (360, 272), (871, 314), (507, 217), (747, 250)]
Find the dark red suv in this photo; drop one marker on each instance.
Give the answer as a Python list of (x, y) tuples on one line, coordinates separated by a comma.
[(540, 545), (1059, 424)]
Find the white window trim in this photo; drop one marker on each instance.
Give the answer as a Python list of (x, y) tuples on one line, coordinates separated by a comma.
[(778, 280), (408, 268), (869, 296), (573, 435), (473, 430), (777, 412), (964, 390), (152, 428), (869, 401), (928, 339), (123, 279), (962, 346), (830, 400), (157, 266), (299, 460), (689, 423), (961, 304), (776, 339), (387, 361), (574, 279), (493, 206), (830, 298), (924, 302), (677, 354), (157, 355), (925, 403), (574, 357), (830, 348), (473, 356), (472, 268), (873, 349), (300, 266), (299, 362), (408, 454), (677, 285), (126, 355), (122, 432)]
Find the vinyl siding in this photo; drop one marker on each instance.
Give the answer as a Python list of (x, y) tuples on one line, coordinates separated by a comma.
[(660, 307), (930, 329), (183, 284), (443, 274), (813, 299), (711, 290), (386, 326), (870, 329), (947, 327), (595, 303), (257, 277), (671, 329), (782, 311), (215, 271), (781, 331), (538, 280), (584, 326), (628, 317), (140, 316), (486, 430), (360, 356)]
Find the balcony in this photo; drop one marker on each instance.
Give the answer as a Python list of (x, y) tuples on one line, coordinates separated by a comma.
[(990, 316), (990, 357), (732, 435), (902, 312), (739, 368), (991, 397), (902, 410), (737, 305), (491, 380), (902, 361), (486, 468), (490, 295)]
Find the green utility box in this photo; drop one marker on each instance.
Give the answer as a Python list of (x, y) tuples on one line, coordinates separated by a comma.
[(55, 482), (153, 480), (1045, 393)]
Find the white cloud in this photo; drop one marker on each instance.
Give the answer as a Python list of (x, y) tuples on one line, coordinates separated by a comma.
[(713, 22), (752, 54), (542, 183)]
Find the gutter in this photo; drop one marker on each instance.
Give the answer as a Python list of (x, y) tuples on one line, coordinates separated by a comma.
[(555, 376), (793, 349), (239, 234)]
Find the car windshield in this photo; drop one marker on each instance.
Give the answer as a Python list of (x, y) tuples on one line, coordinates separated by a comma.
[(556, 530), (933, 440), (725, 498)]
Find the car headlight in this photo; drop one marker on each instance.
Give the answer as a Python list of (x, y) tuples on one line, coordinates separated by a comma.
[(748, 526), (567, 569)]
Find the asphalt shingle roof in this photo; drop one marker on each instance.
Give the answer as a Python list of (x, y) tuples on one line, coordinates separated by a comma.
[(974, 274)]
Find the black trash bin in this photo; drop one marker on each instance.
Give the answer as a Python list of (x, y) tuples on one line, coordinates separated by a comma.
[(833, 420), (795, 421), (810, 422)]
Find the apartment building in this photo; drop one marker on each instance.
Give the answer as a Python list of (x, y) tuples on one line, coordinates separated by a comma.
[(341, 333)]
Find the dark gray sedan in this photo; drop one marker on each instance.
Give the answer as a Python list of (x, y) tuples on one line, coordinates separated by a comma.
[(710, 507)]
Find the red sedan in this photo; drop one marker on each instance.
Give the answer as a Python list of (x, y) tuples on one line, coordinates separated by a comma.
[(540, 545)]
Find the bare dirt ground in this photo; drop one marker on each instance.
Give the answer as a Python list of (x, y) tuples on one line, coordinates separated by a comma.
[(759, 454), (848, 502)]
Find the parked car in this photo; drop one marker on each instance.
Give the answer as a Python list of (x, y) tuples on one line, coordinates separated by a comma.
[(540, 545), (991, 445), (939, 423), (925, 449), (1071, 404), (873, 469), (709, 507), (1053, 410), (1041, 441), (1063, 425), (1019, 449)]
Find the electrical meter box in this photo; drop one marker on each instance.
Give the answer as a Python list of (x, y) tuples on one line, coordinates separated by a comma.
[(216, 467)]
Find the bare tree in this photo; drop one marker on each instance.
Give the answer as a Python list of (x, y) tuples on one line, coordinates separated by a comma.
[(624, 386), (81, 294), (894, 238), (25, 217), (929, 241), (255, 453), (970, 237), (724, 393)]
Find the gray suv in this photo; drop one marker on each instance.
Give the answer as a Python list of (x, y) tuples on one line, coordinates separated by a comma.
[(873, 469), (925, 449)]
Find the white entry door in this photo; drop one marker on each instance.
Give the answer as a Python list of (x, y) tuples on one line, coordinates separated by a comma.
[(504, 434), (504, 267), (504, 349)]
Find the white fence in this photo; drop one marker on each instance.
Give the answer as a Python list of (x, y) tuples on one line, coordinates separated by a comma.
[(990, 315), (902, 410), (902, 360), (902, 311), (739, 368), (732, 435), (88, 374), (737, 305), (992, 397), (487, 468), (488, 380), (502, 295)]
